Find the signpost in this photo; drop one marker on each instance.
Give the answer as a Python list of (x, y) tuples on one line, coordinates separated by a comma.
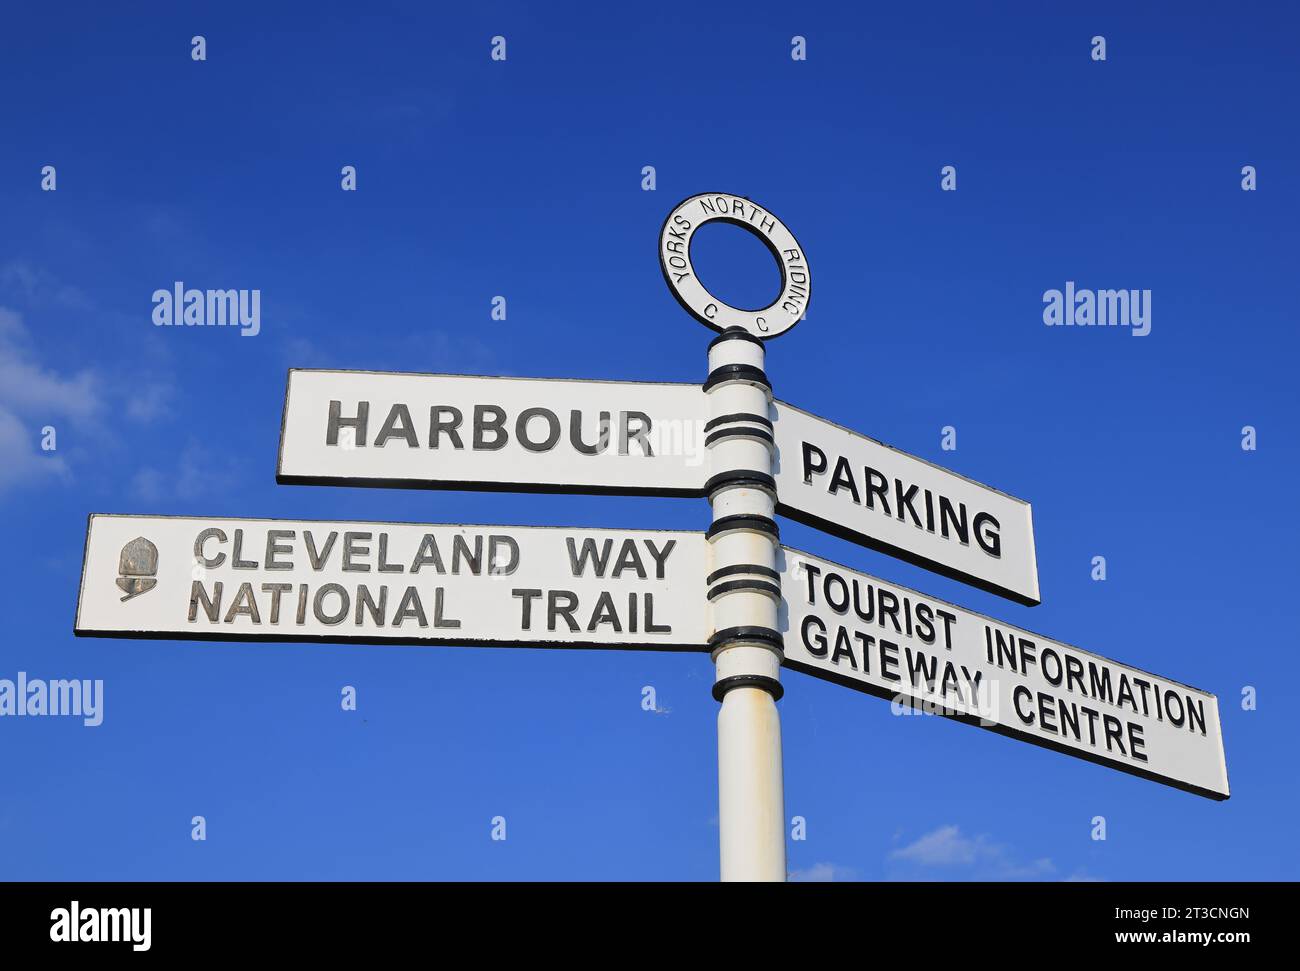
[(732, 590), (393, 583), (937, 658)]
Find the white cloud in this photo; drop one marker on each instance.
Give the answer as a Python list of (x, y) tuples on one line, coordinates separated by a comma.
[(31, 397), (20, 461), (40, 287), (26, 386), (77, 404), (821, 873), (976, 857), (149, 402), (944, 847)]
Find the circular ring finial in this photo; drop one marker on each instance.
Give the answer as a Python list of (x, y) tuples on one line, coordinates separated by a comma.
[(675, 261)]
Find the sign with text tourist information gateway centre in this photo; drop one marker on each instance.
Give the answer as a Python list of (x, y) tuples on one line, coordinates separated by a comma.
[(883, 639)]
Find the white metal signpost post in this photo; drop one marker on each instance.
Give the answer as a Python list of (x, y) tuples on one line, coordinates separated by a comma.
[(731, 590)]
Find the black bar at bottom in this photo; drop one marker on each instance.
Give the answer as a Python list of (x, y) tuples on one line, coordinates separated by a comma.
[(1027, 923)]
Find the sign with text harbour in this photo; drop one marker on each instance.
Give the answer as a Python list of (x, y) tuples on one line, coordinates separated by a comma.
[(284, 580), (929, 656), (865, 491), (467, 432)]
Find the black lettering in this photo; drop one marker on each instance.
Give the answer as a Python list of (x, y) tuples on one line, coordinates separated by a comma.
[(398, 424), (337, 421), (989, 540), (483, 424), (552, 429), (445, 419), (575, 434)]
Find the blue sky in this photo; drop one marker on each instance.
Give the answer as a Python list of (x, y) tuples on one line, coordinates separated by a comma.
[(522, 178)]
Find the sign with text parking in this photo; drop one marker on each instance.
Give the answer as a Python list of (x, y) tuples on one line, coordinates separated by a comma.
[(865, 491)]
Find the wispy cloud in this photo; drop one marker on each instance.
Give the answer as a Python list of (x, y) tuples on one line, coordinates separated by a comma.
[(39, 287), (969, 857), (32, 396), (28, 386), (822, 873), (20, 461), (149, 402), (35, 394), (198, 472)]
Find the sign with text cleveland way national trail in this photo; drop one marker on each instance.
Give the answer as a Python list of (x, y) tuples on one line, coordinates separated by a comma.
[(283, 580), (556, 435)]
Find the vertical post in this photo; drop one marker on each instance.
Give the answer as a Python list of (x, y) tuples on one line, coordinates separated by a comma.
[(744, 593)]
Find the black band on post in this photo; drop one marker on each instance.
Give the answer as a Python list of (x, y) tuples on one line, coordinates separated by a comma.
[(730, 586), (737, 372), (731, 571), (762, 434), (770, 685), (734, 334), (740, 477), (759, 524), (743, 416), (766, 635)]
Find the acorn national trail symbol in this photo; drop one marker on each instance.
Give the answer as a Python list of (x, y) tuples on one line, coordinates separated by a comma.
[(138, 566), (731, 589)]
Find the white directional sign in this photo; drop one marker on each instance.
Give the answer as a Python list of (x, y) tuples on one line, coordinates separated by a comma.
[(931, 656), (862, 490), (521, 434), (282, 580)]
